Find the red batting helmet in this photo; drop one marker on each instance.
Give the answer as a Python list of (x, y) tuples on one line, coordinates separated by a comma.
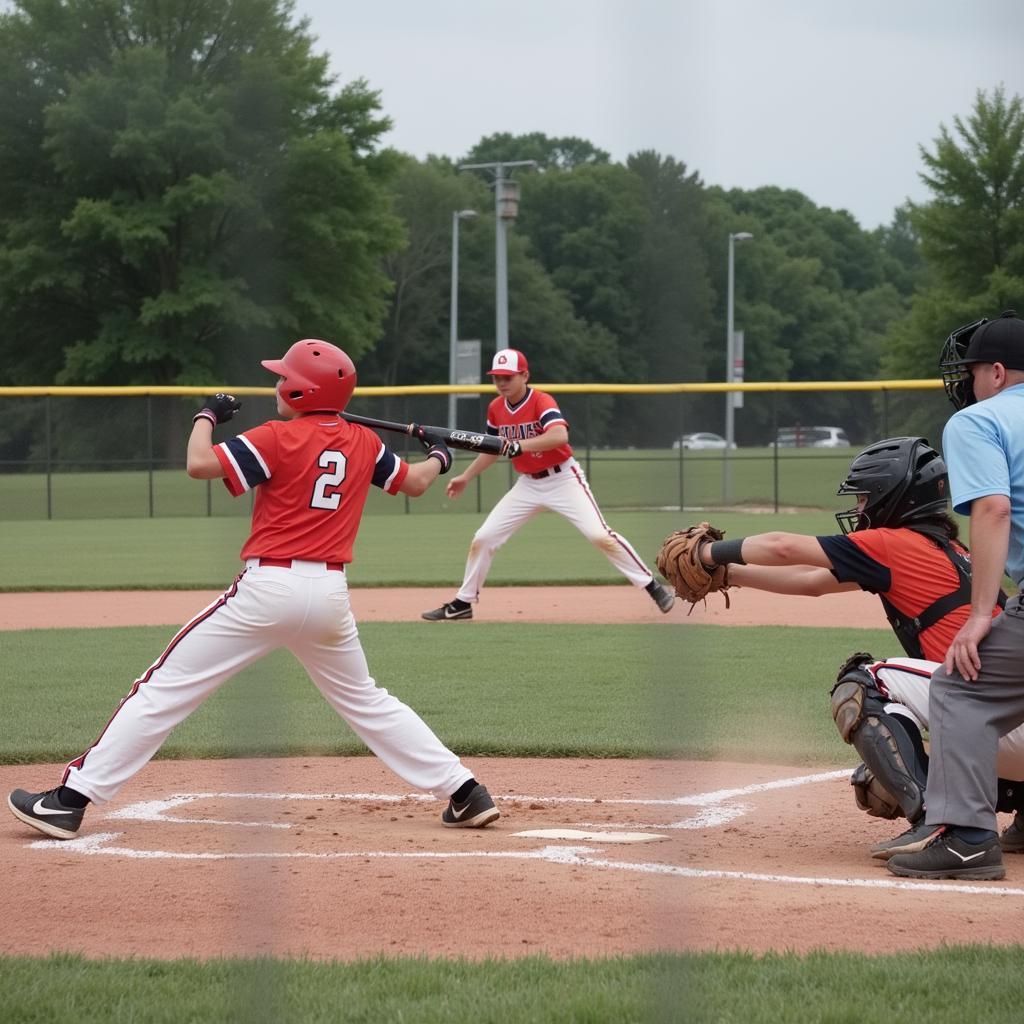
[(316, 376)]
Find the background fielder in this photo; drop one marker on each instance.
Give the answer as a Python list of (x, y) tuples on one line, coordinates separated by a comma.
[(549, 478), (311, 472)]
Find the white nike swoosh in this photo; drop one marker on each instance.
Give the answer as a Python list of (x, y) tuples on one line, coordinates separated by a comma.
[(38, 808), (966, 859), (458, 814), (452, 615)]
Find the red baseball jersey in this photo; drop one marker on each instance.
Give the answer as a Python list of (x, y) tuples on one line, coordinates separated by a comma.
[(909, 569), (311, 476), (534, 413)]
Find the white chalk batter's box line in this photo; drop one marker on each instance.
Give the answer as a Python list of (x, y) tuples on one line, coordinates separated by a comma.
[(714, 812)]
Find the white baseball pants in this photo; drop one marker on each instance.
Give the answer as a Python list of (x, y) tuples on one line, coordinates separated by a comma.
[(567, 493), (304, 608)]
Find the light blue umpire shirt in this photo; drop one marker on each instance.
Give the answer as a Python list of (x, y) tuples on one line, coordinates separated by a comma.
[(983, 446)]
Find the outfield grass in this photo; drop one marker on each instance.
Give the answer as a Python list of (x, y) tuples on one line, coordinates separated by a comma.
[(427, 550)]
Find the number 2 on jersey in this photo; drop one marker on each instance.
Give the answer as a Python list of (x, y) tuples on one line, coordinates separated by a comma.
[(325, 493)]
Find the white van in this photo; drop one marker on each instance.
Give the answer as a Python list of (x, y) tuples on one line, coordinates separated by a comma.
[(811, 437)]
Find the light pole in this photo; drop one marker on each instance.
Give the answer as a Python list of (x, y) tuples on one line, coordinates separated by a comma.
[(453, 336), (506, 207), (730, 365)]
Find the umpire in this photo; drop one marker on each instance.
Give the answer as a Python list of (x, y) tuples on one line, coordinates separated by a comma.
[(978, 694)]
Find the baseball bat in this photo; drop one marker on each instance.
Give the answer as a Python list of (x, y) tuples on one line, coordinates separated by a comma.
[(488, 444)]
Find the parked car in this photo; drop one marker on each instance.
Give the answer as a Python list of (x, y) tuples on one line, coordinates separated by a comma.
[(701, 440), (810, 437)]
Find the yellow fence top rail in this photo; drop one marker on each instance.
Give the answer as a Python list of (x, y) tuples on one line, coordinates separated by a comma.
[(136, 390)]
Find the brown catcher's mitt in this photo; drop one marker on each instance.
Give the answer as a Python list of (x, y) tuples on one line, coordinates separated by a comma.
[(679, 564)]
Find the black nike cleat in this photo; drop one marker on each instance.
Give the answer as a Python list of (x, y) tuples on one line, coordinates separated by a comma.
[(476, 812), (449, 612), (45, 812)]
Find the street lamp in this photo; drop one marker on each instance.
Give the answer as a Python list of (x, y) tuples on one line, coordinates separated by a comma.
[(730, 365), (453, 326), (506, 208)]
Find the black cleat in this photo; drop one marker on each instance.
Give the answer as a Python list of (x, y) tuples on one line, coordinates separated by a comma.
[(916, 838), (477, 811), (1012, 837), (45, 812), (449, 612), (662, 597)]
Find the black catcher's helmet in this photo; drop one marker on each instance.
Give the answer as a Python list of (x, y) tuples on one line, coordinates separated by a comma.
[(905, 481)]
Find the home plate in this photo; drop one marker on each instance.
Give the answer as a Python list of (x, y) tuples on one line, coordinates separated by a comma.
[(601, 837)]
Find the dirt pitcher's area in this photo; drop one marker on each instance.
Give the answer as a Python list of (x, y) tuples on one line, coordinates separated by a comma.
[(335, 858)]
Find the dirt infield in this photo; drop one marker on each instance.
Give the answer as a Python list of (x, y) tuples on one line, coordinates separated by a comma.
[(499, 604), (334, 858)]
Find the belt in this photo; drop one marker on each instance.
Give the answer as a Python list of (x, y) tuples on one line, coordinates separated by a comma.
[(286, 563), (546, 472)]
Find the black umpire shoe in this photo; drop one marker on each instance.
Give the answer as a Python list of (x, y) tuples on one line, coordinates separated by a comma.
[(45, 812), (450, 612), (949, 856), (477, 811)]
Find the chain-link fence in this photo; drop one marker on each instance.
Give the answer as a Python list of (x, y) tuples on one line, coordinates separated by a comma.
[(102, 455)]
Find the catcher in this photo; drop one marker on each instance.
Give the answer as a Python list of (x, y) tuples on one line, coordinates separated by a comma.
[(899, 542)]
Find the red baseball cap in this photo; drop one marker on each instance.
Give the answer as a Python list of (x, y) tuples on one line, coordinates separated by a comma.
[(508, 362)]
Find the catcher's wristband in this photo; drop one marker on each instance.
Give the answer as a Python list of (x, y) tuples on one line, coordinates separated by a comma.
[(726, 552)]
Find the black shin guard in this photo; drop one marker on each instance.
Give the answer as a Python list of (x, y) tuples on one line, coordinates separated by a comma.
[(890, 745)]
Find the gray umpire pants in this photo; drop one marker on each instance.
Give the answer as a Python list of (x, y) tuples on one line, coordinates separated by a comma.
[(966, 721)]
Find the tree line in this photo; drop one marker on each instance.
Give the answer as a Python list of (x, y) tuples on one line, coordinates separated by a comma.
[(185, 189)]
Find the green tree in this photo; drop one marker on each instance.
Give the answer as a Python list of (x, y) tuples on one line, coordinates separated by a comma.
[(972, 231), (182, 187), (551, 154)]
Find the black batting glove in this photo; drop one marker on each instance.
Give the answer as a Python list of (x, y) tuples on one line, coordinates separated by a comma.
[(218, 408), (512, 449), (440, 452)]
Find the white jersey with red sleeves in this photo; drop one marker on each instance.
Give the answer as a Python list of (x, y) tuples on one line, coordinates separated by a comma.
[(311, 476), (529, 417)]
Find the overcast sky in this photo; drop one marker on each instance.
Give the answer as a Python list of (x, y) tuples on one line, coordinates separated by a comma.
[(831, 98)]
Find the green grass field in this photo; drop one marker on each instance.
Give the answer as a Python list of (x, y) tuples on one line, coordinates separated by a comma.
[(632, 691), (426, 550), (950, 986)]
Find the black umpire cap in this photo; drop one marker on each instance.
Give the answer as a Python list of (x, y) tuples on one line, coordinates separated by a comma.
[(998, 341)]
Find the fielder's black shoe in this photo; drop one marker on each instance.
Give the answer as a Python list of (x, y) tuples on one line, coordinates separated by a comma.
[(917, 837), (477, 811), (1012, 837), (948, 856), (45, 812), (661, 595), (448, 612)]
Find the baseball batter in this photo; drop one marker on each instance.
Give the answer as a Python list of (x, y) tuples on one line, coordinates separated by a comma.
[(900, 543), (311, 472), (548, 478)]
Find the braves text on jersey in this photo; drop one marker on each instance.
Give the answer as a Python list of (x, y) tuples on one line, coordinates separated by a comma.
[(534, 413)]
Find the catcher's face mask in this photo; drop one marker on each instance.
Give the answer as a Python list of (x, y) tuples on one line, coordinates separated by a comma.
[(854, 519), (955, 367)]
